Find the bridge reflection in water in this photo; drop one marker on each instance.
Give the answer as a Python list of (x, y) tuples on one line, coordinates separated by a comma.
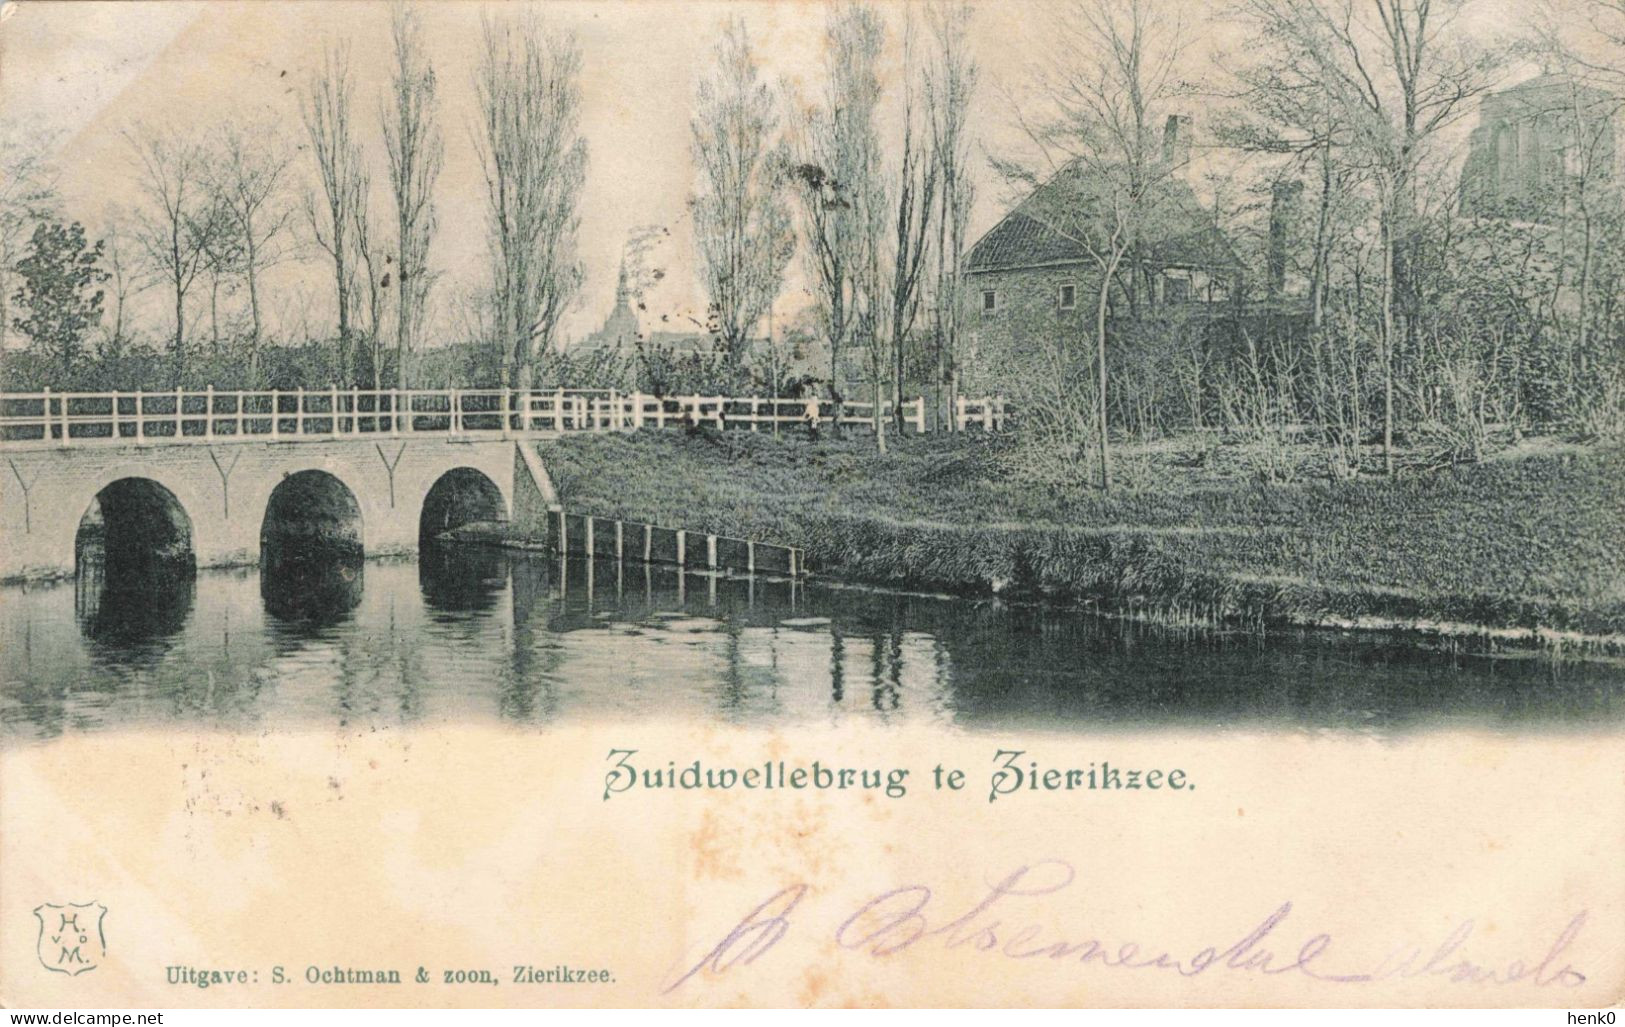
[(478, 634)]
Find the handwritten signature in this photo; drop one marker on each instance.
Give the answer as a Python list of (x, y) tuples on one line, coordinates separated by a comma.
[(910, 917)]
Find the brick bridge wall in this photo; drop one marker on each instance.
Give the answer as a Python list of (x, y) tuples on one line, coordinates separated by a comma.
[(224, 489)]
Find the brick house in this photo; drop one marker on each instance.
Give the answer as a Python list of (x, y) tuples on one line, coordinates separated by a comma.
[(1032, 273)]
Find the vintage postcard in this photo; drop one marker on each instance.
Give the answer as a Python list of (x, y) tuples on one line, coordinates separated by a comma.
[(697, 503)]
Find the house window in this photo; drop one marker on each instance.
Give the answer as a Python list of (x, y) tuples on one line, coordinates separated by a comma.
[(990, 300), (1176, 290), (1069, 297)]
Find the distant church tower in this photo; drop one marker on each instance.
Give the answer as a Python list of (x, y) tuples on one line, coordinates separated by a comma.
[(1531, 142), (620, 330)]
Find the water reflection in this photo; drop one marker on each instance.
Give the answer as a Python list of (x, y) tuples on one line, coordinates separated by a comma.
[(468, 634), (315, 589), (132, 618), (461, 578)]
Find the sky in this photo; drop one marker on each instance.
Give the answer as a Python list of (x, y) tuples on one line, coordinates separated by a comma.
[(91, 72)]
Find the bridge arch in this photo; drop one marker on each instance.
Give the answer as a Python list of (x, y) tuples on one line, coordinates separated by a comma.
[(311, 515), (461, 495), (311, 549), (134, 528)]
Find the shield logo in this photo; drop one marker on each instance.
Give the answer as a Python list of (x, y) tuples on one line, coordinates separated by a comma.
[(70, 936)]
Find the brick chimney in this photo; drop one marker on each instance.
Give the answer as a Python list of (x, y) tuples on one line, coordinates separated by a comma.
[(1176, 141)]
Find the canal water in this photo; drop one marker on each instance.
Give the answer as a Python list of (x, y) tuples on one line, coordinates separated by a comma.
[(470, 635)]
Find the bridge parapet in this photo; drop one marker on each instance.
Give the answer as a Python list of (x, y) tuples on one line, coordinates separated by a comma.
[(209, 417)]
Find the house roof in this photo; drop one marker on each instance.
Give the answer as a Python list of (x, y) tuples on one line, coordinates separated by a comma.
[(1051, 225)]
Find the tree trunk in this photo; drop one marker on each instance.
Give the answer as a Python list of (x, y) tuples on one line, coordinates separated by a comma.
[(1585, 293), (214, 315), (897, 382), (1102, 442), (180, 333), (1317, 282), (405, 281), (1388, 348), (880, 420), (252, 275), (344, 317)]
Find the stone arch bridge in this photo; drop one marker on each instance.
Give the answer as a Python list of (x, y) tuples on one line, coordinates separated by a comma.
[(213, 479), (218, 500)]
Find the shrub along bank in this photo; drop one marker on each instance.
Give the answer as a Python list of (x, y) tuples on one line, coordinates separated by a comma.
[(1529, 542)]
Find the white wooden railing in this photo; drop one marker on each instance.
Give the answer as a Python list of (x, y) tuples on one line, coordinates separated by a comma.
[(987, 414), (143, 418)]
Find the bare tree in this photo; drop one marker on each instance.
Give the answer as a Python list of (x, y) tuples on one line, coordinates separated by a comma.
[(949, 91), (914, 200), (1585, 43), (1105, 179), (373, 265), (248, 180), (222, 263), (177, 222), (326, 113), (534, 159), (741, 222), (1287, 112), (415, 155), (1584, 112), (124, 280), (1396, 72), (835, 168)]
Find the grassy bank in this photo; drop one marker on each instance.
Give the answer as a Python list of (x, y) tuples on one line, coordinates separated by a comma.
[(1532, 540)]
